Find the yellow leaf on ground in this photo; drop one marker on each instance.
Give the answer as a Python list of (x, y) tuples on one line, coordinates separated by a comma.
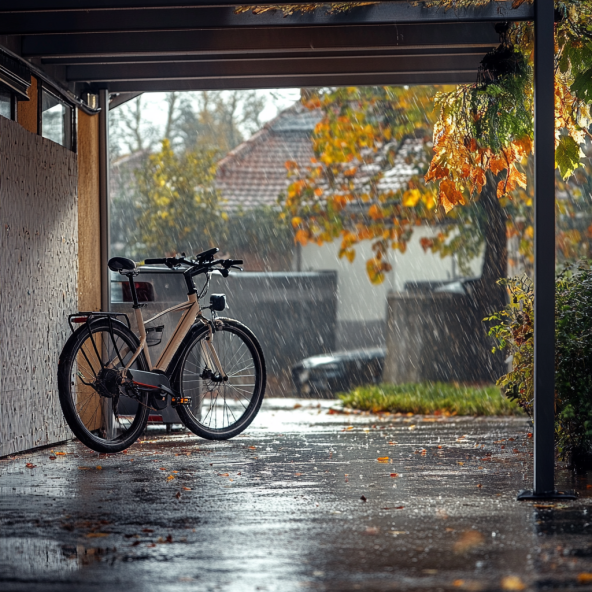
[(585, 578), (512, 583), (383, 459), (170, 478), (468, 540)]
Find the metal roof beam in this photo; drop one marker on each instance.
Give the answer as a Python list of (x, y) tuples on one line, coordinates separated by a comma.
[(277, 67), (480, 50), (64, 6), (196, 18), (263, 40), (288, 81)]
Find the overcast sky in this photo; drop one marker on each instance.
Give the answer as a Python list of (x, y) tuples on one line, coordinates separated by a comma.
[(277, 99)]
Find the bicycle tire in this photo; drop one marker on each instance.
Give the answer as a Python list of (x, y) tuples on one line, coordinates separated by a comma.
[(85, 410), (233, 392)]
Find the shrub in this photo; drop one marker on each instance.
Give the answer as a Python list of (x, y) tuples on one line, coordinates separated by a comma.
[(514, 331)]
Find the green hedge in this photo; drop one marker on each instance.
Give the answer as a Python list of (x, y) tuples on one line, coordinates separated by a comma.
[(514, 331)]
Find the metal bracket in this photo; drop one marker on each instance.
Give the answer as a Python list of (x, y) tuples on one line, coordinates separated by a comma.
[(530, 495)]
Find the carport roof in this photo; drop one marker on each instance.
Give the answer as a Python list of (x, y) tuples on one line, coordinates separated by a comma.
[(132, 46)]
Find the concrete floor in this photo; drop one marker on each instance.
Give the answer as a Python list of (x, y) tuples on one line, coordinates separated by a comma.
[(298, 502)]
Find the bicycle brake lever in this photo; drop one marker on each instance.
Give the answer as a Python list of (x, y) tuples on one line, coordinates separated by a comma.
[(236, 267)]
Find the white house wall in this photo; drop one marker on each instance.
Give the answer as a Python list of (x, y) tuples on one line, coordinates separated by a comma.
[(358, 299), (38, 281)]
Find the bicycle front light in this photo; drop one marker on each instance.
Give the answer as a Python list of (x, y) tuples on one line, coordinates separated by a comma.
[(218, 302)]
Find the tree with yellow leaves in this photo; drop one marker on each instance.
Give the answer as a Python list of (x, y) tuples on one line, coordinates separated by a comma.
[(482, 138), (180, 207)]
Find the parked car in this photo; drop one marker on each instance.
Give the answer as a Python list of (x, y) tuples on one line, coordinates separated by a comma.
[(327, 374)]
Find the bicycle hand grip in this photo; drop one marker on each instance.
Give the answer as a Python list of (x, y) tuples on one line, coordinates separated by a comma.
[(154, 261)]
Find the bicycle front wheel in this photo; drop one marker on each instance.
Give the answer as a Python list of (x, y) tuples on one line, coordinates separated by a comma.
[(101, 413), (219, 408)]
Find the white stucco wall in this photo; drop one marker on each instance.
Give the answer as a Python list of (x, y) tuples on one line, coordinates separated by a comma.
[(359, 300), (38, 280)]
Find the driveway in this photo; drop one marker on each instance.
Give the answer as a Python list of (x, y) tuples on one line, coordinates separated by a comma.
[(306, 499)]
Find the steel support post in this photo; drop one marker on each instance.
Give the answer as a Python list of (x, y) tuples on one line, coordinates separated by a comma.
[(544, 256), (104, 196)]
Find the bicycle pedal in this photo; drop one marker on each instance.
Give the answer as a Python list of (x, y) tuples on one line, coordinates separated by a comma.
[(180, 401)]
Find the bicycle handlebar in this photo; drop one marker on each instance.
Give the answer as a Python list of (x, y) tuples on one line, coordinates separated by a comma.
[(199, 265)]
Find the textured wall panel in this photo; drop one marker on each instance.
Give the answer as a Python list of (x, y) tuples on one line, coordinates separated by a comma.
[(38, 281)]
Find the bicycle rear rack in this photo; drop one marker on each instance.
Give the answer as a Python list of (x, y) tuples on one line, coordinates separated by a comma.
[(89, 317)]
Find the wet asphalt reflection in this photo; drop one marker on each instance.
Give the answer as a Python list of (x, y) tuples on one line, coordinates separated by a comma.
[(306, 499)]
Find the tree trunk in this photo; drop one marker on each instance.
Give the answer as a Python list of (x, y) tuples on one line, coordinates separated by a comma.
[(492, 297), (489, 296)]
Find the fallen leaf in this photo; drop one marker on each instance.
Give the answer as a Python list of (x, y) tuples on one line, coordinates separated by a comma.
[(394, 474), (543, 506), (372, 530), (392, 443), (30, 466), (515, 450), (170, 478), (135, 544), (99, 467), (529, 435), (588, 486), (252, 447), (585, 578), (383, 459), (467, 540), (148, 530), (412, 427), (297, 474), (162, 468), (52, 458), (363, 498), (83, 468), (223, 474), (178, 494), (187, 488), (349, 428), (439, 446), (96, 535), (479, 485), (297, 406), (460, 463), (458, 583), (60, 453), (512, 583)]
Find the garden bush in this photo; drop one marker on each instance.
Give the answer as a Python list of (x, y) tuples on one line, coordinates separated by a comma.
[(514, 332)]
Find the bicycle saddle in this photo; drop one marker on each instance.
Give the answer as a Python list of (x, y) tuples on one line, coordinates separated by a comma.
[(121, 264)]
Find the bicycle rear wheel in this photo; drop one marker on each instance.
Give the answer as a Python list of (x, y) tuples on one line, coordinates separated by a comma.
[(221, 409), (102, 414)]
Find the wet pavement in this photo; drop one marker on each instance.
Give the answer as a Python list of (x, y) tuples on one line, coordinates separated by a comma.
[(306, 499)]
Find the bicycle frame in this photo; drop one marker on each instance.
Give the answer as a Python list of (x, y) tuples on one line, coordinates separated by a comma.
[(187, 320)]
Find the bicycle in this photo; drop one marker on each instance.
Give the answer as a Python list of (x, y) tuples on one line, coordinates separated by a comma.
[(211, 370)]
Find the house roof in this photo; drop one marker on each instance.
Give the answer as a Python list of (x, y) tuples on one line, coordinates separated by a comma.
[(254, 173)]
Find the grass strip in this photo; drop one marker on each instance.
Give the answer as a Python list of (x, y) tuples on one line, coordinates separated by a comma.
[(430, 398)]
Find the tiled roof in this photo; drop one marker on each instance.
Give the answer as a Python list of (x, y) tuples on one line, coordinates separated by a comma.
[(254, 173)]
